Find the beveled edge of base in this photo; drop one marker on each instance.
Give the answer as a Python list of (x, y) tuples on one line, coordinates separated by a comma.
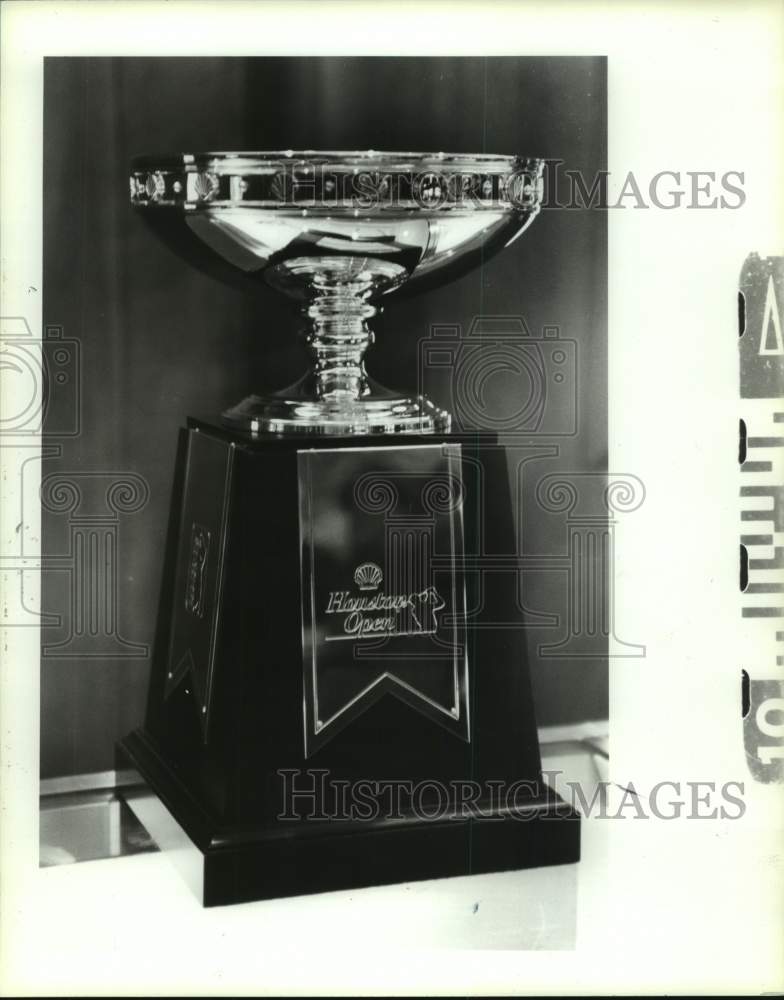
[(198, 850)]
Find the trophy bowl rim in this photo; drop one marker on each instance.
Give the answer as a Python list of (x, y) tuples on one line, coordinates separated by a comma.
[(281, 180), (229, 161)]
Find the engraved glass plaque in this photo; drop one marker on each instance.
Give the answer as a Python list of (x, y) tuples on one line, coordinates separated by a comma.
[(383, 598), (199, 572)]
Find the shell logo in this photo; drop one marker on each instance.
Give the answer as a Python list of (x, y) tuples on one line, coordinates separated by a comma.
[(368, 576)]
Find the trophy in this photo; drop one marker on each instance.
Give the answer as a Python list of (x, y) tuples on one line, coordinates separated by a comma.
[(327, 679), (338, 232)]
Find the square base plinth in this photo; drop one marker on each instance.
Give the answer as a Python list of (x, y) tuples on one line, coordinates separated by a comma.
[(224, 865)]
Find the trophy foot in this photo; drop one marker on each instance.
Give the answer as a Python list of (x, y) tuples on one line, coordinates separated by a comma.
[(378, 411)]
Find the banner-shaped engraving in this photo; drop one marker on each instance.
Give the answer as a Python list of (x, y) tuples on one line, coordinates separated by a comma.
[(200, 550), (199, 573), (383, 596)]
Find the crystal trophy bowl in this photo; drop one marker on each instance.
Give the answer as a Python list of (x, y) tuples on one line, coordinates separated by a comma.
[(337, 231)]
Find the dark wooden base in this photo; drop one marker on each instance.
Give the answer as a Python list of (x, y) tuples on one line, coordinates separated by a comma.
[(287, 858), (233, 702)]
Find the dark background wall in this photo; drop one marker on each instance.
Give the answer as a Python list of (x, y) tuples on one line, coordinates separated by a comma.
[(151, 340)]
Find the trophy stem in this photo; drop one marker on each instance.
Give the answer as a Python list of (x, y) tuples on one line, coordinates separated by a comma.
[(336, 396), (338, 338)]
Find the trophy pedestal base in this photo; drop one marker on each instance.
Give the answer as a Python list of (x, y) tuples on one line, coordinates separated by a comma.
[(336, 628), (298, 410), (224, 865)]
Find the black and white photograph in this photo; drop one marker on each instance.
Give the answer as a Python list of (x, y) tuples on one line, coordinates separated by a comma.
[(391, 446)]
